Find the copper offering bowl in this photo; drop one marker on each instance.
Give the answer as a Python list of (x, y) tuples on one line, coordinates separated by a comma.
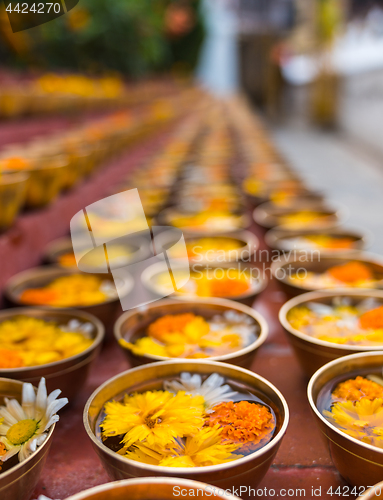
[(269, 215), (248, 470), (258, 282), (317, 263), (12, 197), (278, 239), (37, 277), (249, 244), (359, 463), (154, 488), (131, 323), (68, 374), (62, 246), (240, 221), (313, 353), (19, 481)]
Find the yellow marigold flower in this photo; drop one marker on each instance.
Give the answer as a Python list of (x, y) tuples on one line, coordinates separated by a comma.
[(358, 388), (199, 450), (362, 420), (156, 417)]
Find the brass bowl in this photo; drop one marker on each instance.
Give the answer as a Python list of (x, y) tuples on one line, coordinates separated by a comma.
[(315, 262), (132, 323), (248, 241), (19, 482), (68, 374), (269, 215), (258, 283), (375, 491), (12, 197), (44, 184), (106, 312), (240, 221), (154, 488), (278, 239), (360, 464), (248, 470), (313, 353), (292, 185), (63, 246)]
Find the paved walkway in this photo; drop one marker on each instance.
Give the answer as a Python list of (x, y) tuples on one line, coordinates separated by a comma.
[(345, 171)]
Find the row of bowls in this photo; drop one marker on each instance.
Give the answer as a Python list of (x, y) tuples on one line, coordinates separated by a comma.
[(34, 175), (359, 463)]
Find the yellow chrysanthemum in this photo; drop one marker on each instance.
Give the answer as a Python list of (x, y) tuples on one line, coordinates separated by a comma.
[(200, 450), (362, 420), (156, 417)]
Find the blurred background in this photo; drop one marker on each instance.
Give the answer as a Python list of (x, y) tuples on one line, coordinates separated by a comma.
[(313, 68)]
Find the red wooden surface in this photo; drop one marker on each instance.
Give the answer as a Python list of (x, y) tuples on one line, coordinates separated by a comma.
[(302, 462)]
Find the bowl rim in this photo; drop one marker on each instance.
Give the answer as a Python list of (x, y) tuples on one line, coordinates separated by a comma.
[(60, 245), (339, 211), (312, 296), (150, 271), (250, 240), (243, 218), (175, 481), (263, 334), (275, 235), (13, 177), (98, 339), (15, 468), (40, 271), (366, 257), (318, 414), (187, 471)]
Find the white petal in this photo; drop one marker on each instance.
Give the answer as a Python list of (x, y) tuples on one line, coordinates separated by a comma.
[(24, 452), (41, 400), (15, 409), (28, 400), (4, 429), (45, 424), (40, 439), (8, 418), (53, 395), (11, 453)]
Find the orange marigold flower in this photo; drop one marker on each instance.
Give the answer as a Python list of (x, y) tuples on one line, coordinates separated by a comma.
[(372, 320), (357, 389), (228, 288), (351, 272), (39, 296), (3, 451), (10, 359), (169, 324), (249, 425)]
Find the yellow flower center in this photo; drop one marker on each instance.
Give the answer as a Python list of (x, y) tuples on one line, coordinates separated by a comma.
[(152, 422), (21, 432)]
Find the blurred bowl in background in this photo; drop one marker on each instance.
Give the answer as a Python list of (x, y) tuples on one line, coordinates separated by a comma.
[(337, 240), (301, 216), (12, 197), (307, 264)]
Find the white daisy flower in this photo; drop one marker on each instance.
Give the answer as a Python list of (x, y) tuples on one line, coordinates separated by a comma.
[(24, 427), (211, 389)]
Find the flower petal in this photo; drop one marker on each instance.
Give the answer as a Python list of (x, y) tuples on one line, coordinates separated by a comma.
[(29, 400)]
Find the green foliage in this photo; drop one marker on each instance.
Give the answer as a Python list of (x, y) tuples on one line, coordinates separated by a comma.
[(123, 35)]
